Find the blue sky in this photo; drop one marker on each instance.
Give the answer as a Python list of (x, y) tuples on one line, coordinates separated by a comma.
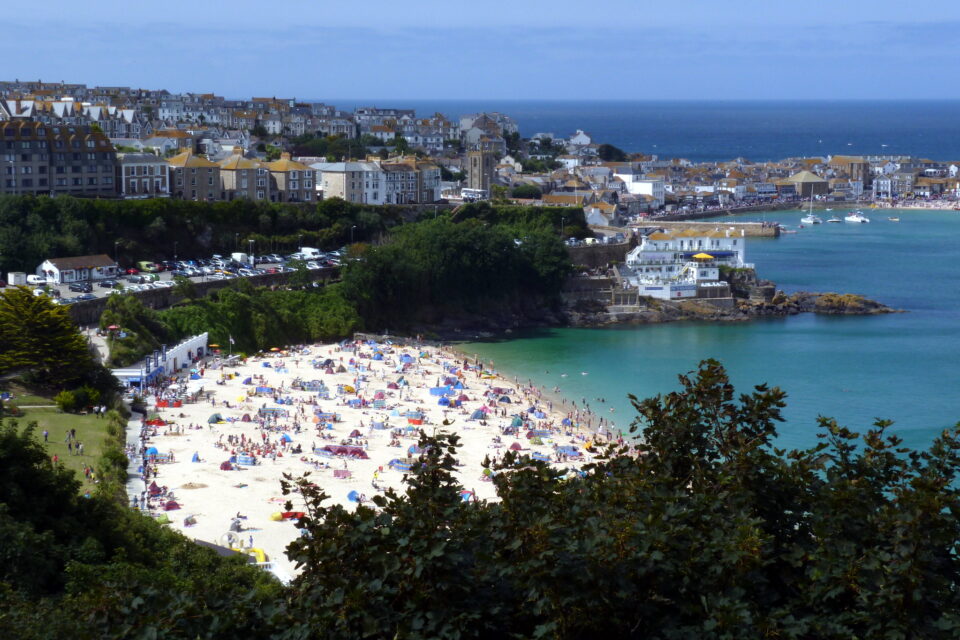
[(521, 49)]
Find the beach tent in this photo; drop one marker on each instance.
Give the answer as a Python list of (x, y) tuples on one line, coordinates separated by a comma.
[(379, 395), (477, 415), (248, 381), (379, 425), (505, 399), (516, 422), (152, 451), (286, 438), (395, 413), (226, 466), (341, 369), (267, 390), (393, 385), (567, 422), (467, 495), (444, 402), (485, 409), (194, 376), (245, 418), (353, 496), (196, 457), (171, 505), (406, 359), (215, 418), (463, 398), (163, 519), (154, 489), (569, 450), (540, 415), (355, 433), (414, 449), (377, 356), (516, 446), (399, 465), (246, 460)]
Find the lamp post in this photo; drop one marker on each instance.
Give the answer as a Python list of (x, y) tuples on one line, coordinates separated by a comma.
[(174, 251), (351, 233), (236, 241), (300, 242), (252, 261), (563, 221), (116, 254)]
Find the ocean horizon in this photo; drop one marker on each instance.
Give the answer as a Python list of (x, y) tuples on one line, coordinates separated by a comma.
[(718, 130)]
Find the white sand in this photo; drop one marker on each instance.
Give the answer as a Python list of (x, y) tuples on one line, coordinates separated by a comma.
[(213, 496)]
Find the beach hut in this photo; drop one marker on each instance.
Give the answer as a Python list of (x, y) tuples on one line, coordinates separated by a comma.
[(216, 418)]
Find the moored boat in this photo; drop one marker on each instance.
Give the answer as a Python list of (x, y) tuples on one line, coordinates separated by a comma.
[(811, 219), (856, 217)]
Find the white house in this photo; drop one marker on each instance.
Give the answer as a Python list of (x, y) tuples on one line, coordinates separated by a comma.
[(685, 264), (637, 185), (63, 270)]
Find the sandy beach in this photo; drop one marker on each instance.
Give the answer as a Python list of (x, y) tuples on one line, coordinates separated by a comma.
[(350, 414)]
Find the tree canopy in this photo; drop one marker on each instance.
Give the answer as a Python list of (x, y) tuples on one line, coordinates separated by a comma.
[(610, 153)]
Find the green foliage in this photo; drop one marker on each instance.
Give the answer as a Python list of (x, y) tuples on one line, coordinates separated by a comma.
[(33, 229), (143, 329), (523, 219), (259, 318), (610, 153), (336, 147), (526, 191), (438, 267), (66, 401), (539, 165), (184, 287), (39, 339), (513, 142)]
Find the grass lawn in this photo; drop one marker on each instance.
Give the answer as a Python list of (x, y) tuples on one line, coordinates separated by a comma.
[(91, 431)]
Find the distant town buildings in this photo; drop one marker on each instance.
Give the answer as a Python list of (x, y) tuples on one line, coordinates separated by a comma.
[(123, 142)]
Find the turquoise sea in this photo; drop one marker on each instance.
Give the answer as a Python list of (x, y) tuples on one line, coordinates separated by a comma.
[(905, 367)]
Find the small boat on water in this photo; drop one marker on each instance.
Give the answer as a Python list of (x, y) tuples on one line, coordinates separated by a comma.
[(811, 219), (834, 219), (856, 217), (893, 219)]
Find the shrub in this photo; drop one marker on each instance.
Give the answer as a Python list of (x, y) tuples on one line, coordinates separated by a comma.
[(66, 401)]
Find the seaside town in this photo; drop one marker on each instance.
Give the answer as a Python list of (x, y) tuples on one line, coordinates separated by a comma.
[(121, 142), (557, 354)]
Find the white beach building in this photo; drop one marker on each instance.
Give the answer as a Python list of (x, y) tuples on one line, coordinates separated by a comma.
[(685, 264)]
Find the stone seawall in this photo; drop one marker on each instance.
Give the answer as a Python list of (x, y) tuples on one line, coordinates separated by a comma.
[(599, 255), (87, 312)]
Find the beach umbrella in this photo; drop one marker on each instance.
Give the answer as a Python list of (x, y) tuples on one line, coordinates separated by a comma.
[(214, 346), (467, 495), (152, 451)]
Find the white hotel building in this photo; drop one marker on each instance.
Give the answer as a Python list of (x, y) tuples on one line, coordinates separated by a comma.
[(685, 264)]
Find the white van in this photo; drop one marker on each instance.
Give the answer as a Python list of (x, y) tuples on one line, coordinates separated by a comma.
[(34, 279), (309, 253)]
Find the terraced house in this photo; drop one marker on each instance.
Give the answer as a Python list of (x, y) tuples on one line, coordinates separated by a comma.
[(46, 159), (194, 178), (291, 181)]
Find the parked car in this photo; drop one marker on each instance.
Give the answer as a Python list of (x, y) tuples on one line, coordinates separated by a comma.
[(108, 284), (132, 271), (86, 296), (80, 287), (35, 279)]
